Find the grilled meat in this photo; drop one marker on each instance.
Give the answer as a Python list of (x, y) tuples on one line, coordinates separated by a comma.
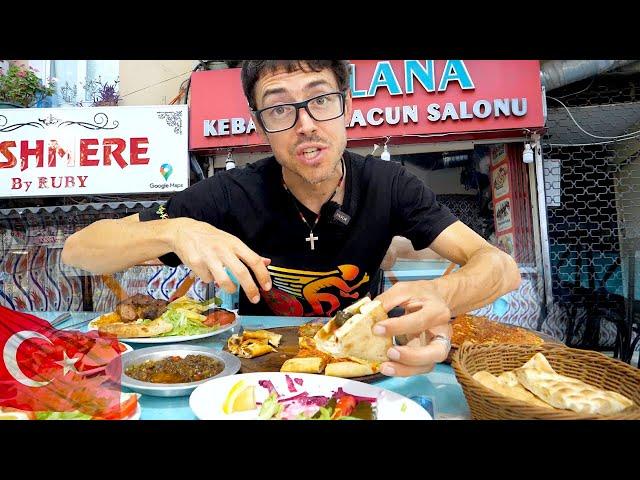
[(140, 306)]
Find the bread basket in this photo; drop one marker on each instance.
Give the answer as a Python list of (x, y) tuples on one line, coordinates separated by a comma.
[(591, 367)]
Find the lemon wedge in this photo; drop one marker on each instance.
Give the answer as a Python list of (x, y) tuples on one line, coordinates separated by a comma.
[(245, 400), (240, 397)]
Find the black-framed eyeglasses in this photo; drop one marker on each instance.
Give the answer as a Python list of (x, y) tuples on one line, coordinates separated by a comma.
[(321, 108)]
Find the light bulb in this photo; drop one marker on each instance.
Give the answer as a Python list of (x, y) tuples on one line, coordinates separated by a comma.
[(229, 164), (385, 155), (527, 154)]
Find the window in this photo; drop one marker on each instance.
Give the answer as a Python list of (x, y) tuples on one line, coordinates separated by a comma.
[(77, 80)]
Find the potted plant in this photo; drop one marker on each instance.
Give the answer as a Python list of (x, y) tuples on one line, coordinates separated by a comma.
[(106, 94), (21, 87)]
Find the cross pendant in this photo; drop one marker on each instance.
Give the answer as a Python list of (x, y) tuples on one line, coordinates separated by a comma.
[(311, 239)]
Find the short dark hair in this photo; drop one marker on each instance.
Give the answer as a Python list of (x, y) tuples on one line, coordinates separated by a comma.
[(253, 69)]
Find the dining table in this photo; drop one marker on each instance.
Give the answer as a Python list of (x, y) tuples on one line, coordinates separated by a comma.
[(439, 386)]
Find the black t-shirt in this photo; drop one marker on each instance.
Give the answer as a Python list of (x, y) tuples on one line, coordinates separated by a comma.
[(382, 198)]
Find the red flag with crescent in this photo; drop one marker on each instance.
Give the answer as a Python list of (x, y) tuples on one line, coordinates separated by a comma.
[(43, 369)]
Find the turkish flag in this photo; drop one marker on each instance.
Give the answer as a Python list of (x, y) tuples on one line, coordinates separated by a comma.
[(46, 369)]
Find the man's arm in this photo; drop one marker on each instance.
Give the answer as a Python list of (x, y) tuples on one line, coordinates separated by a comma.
[(108, 246), (401, 248), (486, 272), (113, 245)]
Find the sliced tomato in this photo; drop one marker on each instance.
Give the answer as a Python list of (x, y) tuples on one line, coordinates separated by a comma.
[(344, 406), (219, 317), (126, 408)]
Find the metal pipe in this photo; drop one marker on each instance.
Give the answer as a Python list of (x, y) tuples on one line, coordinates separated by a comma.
[(630, 69), (544, 233), (558, 73), (450, 161)]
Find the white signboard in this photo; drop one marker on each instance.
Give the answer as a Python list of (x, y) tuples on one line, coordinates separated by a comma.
[(84, 151)]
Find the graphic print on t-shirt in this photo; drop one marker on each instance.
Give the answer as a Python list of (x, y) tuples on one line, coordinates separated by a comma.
[(306, 293)]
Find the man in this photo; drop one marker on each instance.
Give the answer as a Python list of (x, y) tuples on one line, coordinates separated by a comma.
[(313, 212)]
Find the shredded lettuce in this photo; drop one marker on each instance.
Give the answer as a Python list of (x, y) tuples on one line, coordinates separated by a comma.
[(194, 305), (185, 322), (270, 408), (75, 415), (323, 414)]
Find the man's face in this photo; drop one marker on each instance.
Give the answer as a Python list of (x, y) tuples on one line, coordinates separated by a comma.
[(311, 149)]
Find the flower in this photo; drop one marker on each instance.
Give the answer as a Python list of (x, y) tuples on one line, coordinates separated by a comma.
[(106, 94), (22, 86)]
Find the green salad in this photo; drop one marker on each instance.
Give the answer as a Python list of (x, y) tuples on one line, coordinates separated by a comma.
[(186, 317)]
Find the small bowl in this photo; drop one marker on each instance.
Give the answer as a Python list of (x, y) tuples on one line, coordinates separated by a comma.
[(135, 357)]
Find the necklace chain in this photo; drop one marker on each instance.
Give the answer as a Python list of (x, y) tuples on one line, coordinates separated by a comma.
[(295, 200)]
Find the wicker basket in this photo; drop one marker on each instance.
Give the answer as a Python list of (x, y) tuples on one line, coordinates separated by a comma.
[(591, 367)]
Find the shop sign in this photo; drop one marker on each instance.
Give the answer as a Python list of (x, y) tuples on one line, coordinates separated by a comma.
[(390, 98), (85, 151)]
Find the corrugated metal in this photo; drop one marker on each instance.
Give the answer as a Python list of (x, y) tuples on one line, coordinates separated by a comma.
[(81, 207)]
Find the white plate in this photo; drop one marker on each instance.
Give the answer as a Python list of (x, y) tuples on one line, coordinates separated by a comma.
[(206, 401), (136, 414), (169, 339)]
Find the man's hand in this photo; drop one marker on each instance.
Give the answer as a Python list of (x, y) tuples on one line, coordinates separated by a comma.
[(420, 354), (425, 311), (208, 250)]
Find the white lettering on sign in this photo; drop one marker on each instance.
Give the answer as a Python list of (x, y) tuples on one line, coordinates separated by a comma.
[(500, 107), (228, 126), (390, 115)]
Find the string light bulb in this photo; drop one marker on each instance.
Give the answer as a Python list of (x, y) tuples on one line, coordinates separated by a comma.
[(229, 164), (385, 155), (527, 154)]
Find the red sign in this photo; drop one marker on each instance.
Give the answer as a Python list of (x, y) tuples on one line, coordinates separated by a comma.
[(390, 98)]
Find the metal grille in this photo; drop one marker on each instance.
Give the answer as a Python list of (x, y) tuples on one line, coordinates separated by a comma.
[(600, 90), (467, 210), (593, 208)]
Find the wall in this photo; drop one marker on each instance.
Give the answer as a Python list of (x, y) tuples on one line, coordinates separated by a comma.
[(442, 181), (152, 82)]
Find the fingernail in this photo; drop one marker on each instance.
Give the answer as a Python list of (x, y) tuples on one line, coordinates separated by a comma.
[(378, 330), (256, 299), (393, 354), (267, 286), (387, 370)]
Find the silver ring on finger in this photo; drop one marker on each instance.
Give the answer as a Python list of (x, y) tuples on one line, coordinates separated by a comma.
[(444, 340)]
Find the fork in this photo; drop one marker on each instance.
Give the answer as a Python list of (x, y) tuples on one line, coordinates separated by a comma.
[(60, 319)]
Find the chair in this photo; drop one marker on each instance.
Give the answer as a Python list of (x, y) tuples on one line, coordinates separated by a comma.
[(591, 305)]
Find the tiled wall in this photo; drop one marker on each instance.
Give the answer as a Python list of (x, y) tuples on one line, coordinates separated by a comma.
[(33, 277)]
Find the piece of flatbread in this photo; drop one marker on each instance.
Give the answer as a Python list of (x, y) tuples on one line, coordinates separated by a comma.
[(137, 330), (569, 393), (106, 319), (355, 337), (507, 384), (348, 369), (304, 365)]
